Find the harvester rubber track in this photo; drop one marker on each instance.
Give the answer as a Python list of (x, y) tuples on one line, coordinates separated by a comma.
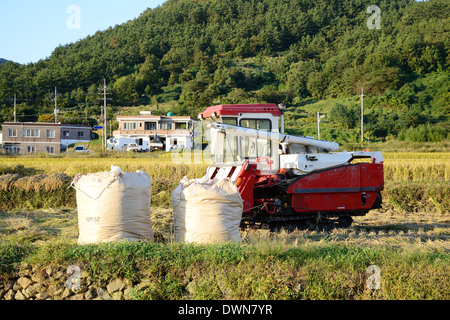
[(316, 221)]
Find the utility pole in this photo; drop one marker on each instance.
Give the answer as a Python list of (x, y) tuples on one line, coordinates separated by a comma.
[(15, 111), (362, 116), (318, 125), (319, 120), (56, 105), (103, 115)]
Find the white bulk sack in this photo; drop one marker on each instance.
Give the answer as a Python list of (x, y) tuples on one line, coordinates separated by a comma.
[(213, 211), (114, 206), (179, 207), (179, 210)]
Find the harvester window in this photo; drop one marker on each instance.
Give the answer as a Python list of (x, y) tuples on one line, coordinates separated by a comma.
[(259, 124), (230, 149), (229, 120), (257, 148)]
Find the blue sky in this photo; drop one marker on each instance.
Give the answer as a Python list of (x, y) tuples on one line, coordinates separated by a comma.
[(31, 30)]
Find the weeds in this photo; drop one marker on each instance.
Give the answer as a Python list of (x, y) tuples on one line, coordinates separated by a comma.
[(36, 192)]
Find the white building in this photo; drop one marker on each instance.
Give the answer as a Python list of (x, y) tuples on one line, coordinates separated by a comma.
[(145, 129)]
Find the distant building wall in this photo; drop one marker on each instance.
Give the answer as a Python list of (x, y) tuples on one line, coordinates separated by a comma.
[(31, 137), (27, 138), (75, 134)]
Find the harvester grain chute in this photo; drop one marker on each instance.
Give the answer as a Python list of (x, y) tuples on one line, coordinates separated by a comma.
[(289, 181)]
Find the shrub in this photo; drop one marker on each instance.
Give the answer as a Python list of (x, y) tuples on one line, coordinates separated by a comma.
[(423, 133), (346, 117)]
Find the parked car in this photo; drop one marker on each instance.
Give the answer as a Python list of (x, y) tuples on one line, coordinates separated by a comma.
[(134, 147), (156, 146), (176, 147), (80, 149)]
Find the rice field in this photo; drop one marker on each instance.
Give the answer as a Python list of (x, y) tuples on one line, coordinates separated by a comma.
[(408, 239), (156, 167), (417, 167), (406, 166)]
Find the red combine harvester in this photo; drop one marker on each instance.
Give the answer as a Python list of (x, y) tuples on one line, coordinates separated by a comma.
[(289, 181)]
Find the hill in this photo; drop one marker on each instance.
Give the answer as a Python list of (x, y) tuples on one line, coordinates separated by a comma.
[(192, 54), (3, 60)]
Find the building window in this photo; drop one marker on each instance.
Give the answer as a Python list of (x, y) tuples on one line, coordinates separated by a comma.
[(80, 134), (50, 134), (31, 149), (129, 125), (31, 133), (150, 126), (166, 126), (12, 147), (12, 133), (66, 134), (51, 150), (180, 126)]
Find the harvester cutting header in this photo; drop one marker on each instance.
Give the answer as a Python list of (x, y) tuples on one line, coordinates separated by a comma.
[(289, 181)]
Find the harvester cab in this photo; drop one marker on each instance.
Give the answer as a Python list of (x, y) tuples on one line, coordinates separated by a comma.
[(289, 181)]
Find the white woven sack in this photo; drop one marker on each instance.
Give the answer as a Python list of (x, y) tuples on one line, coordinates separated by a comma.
[(179, 207), (179, 210), (213, 211), (114, 206)]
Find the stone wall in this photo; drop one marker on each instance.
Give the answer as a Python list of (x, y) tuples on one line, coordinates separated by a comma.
[(56, 283)]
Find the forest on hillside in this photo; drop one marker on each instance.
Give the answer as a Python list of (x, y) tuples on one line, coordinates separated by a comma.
[(193, 54)]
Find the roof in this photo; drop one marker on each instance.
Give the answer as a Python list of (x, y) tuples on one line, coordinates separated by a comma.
[(35, 124), (144, 117), (79, 126), (236, 109), (45, 124)]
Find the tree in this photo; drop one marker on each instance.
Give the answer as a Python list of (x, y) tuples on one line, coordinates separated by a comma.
[(194, 53), (345, 117), (46, 118), (26, 113), (125, 90), (149, 76)]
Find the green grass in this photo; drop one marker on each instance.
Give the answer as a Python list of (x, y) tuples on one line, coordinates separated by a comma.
[(414, 262), (233, 271)]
